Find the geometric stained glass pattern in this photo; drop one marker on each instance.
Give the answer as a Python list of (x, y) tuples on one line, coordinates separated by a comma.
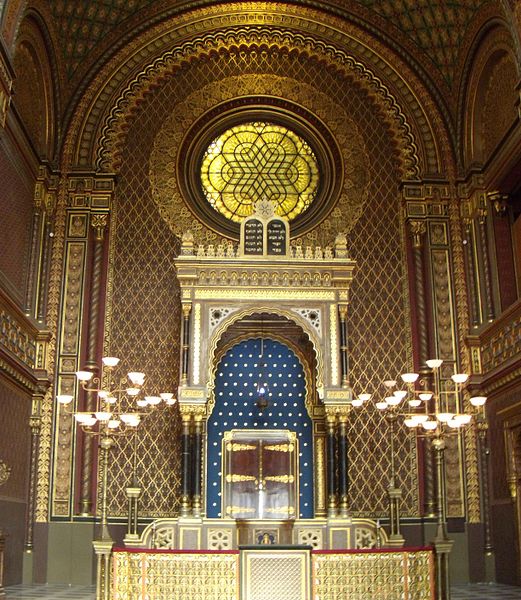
[(258, 160), (235, 408)]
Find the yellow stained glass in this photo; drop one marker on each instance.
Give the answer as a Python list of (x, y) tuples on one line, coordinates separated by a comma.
[(259, 160)]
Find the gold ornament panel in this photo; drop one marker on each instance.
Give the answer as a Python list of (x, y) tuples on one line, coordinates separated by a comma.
[(142, 328), (165, 160)]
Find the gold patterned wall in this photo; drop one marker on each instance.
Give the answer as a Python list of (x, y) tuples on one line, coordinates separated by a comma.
[(143, 323), (143, 309)]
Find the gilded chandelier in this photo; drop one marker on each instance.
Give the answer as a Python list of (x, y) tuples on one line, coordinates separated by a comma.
[(110, 413)]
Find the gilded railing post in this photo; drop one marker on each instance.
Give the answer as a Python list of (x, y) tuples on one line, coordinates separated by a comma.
[(133, 493), (98, 224), (393, 491)]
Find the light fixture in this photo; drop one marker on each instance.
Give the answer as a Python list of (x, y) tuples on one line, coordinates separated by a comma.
[(262, 388)]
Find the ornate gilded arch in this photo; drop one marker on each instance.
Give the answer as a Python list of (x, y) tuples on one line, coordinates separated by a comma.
[(417, 122), (225, 324), (488, 98)]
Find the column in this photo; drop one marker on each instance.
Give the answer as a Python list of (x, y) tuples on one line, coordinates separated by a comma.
[(418, 230), (197, 465), (186, 499), (469, 243), (185, 337), (487, 276), (343, 464), (331, 464), (98, 224), (344, 355)]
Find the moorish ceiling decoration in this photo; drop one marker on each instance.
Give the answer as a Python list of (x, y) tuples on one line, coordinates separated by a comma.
[(435, 27)]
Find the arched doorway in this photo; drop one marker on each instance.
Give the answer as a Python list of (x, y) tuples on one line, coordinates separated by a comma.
[(265, 465)]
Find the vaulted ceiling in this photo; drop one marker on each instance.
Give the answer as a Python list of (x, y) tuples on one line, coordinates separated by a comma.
[(435, 29)]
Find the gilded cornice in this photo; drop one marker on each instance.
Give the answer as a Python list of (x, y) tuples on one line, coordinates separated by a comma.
[(326, 37)]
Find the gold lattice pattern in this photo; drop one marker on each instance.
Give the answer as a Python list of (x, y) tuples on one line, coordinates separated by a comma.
[(174, 576), (143, 329), (253, 161), (378, 576), (145, 311), (378, 344)]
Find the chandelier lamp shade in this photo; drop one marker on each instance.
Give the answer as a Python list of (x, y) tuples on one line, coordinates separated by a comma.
[(433, 408), (111, 411)]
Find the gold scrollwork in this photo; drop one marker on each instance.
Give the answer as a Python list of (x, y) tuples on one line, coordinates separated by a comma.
[(238, 447), (234, 478), (280, 478), (5, 472), (280, 448)]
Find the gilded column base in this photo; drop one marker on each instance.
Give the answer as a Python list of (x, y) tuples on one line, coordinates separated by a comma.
[(185, 507), (196, 506), (344, 507), (86, 508)]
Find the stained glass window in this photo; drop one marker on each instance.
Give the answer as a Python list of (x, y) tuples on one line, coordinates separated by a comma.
[(259, 160)]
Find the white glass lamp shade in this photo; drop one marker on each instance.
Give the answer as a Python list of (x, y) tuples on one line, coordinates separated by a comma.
[(110, 400), (113, 424), (459, 377), (454, 424), (103, 415), (132, 391), (425, 396), (64, 398), (153, 400), (84, 375), (429, 425), (131, 419), (364, 397), (415, 403), (110, 361), (81, 418), (393, 400), (166, 396), (478, 400), (400, 394), (90, 422), (420, 418), (170, 401), (411, 423), (409, 377), (136, 377), (357, 402), (464, 419), (381, 405), (390, 383), (434, 363), (142, 402), (444, 417)]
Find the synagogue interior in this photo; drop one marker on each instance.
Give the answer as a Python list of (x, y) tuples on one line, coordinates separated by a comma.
[(260, 297)]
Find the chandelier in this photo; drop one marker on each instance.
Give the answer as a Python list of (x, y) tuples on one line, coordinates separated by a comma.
[(112, 410)]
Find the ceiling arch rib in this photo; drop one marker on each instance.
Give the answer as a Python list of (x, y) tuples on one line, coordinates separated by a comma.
[(142, 69)]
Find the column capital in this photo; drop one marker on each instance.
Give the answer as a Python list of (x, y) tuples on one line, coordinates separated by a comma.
[(417, 229)]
